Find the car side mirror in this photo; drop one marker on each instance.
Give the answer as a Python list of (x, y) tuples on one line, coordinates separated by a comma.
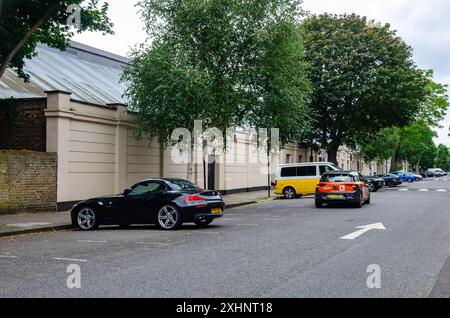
[(126, 191)]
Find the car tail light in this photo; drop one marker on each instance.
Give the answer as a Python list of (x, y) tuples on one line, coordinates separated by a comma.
[(196, 200)]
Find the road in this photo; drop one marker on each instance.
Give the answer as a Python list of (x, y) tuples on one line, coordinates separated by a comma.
[(274, 249)]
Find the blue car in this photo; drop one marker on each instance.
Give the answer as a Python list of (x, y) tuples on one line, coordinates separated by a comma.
[(406, 177)]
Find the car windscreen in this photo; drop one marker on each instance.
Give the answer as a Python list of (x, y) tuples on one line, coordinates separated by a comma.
[(337, 178), (183, 184)]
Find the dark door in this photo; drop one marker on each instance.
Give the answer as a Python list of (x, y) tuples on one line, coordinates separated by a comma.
[(211, 174), (139, 204)]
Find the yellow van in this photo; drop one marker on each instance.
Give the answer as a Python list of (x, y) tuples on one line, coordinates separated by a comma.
[(296, 180)]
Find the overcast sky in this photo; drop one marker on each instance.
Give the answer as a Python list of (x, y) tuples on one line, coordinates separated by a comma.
[(423, 24)]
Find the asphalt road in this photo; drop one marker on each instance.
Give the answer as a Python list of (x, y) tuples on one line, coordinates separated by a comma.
[(275, 249)]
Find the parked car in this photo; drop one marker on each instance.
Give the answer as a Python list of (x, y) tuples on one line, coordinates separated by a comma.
[(374, 183), (435, 172), (391, 180), (418, 176), (406, 177), (342, 187), (296, 180), (168, 203)]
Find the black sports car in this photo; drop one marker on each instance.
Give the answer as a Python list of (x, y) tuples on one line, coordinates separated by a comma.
[(168, 203), (374, 183), (391, 180)]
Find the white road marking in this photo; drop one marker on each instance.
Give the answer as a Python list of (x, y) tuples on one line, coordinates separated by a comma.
[(247, 224), (69, 259), (205, 232), (424, 190), (403, 190), (363, 229), (152, 243), (8, 256), (89, 241), (30, 224), (441, 190)]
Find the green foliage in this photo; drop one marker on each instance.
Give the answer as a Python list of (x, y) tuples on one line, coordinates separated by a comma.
[(434, 108), (442, 159), (224, 62), (363, 79), (381, 146), (18, 17), (415, 141)]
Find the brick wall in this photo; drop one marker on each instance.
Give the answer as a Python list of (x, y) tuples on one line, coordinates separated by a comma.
[(27, 181), (28, 130)]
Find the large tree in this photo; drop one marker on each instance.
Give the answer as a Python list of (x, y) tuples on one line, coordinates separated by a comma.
[(415, 143), (442, 159), (363, 79), (226, 63), (25, 23)]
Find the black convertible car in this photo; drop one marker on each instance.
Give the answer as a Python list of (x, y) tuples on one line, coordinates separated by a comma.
[(168, 203)]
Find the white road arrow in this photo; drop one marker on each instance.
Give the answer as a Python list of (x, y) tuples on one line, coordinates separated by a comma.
[(363, 229)]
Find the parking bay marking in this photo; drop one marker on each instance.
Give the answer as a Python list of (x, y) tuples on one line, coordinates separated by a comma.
[(69, 259), (362, 230)]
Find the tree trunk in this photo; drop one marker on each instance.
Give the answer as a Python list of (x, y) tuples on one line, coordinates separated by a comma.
[(16, 48), (332, 151), (394, 159)]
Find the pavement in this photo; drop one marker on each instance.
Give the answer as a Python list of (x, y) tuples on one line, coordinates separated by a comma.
[(280, 248), (25, 223)]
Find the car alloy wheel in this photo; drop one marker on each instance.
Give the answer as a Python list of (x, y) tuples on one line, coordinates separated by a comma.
[(289, 193), (370, 186), (87, 219), (168, 218)]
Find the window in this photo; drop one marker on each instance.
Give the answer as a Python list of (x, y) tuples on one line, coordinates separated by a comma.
[(300, 158), (289, 172), (308, 171), (323, 169), (288, 158), (183, 184), (146, 188)]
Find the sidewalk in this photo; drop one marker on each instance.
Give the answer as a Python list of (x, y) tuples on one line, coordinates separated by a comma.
[(24, 223)]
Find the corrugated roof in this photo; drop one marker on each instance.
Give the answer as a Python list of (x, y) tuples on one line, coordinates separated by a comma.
[(91, 75)]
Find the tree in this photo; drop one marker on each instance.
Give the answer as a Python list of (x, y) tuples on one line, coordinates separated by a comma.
[(415, 142), (442, 159), (25, 23), (227, 63), (363, 79), (379, 149)]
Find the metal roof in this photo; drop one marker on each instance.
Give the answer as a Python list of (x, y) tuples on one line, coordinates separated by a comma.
[(90, 74)]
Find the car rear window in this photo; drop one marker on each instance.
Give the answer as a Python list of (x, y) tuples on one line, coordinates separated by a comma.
[(183, 184), (337, 178)]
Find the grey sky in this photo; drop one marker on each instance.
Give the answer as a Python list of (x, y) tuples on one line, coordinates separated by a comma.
[(424, 24)]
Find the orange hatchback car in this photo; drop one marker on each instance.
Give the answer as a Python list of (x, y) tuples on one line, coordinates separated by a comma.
[(342, 187)]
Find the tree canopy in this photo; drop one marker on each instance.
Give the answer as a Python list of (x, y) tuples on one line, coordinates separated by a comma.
[(363, 79), (25, 23), (227, 63)]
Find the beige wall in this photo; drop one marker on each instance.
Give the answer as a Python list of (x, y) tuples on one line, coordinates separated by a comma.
[(99, 155)]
